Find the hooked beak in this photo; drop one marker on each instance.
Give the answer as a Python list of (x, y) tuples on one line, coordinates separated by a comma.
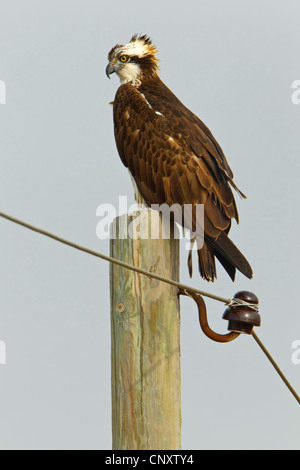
[(109, 70)]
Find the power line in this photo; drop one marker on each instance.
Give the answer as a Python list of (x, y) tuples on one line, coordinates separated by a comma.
[(280, 373), (229, 302), (115, 261)]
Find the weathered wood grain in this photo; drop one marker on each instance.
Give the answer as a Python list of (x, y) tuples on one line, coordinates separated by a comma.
[(145, 347)]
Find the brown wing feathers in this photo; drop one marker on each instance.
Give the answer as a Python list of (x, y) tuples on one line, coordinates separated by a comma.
[(174, 158)]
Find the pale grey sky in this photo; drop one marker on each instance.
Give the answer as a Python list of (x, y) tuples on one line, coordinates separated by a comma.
[(233, 64)]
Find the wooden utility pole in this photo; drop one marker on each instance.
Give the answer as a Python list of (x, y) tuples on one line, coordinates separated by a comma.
[(145, 337)]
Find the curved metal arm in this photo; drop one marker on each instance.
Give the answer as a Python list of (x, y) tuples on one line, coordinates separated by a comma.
[(204, 322)]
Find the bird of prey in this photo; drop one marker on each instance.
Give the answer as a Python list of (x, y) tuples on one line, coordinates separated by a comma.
[(172, 156)]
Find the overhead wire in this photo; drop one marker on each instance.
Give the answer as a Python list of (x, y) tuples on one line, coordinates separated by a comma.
[(115, 260), (229, 302)]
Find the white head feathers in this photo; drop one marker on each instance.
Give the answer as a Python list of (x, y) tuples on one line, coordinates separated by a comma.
[(134, 60)]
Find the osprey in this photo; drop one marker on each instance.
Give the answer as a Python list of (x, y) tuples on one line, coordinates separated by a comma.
[(172, 156)]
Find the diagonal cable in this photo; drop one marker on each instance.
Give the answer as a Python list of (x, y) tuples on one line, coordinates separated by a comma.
[(231, 302)]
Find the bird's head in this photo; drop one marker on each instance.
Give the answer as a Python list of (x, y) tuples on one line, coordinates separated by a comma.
[(133, 61)]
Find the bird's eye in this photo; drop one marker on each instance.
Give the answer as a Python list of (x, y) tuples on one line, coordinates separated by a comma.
[(124, 58)]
